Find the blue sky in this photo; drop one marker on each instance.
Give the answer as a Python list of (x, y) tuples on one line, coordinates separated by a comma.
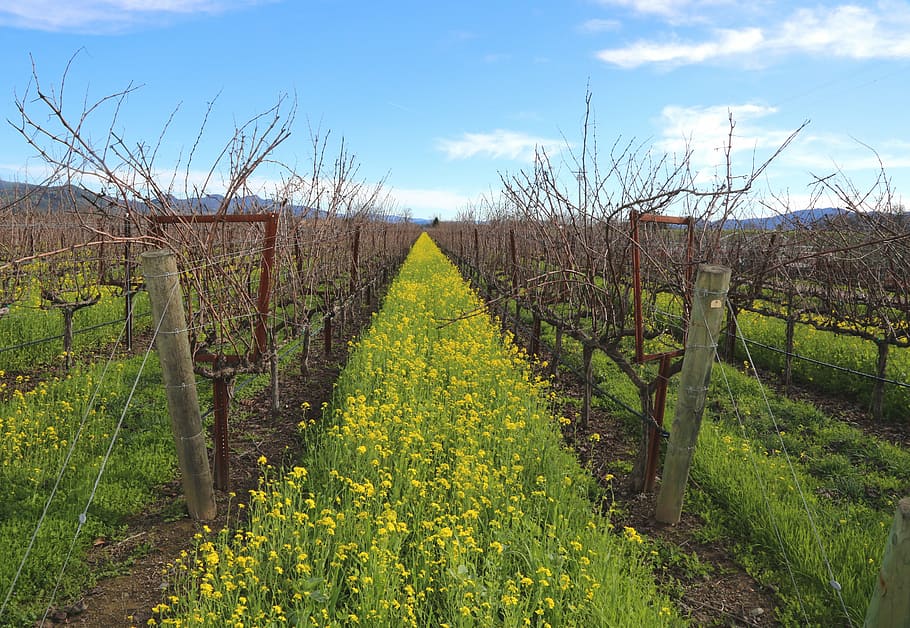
[(439, 98)]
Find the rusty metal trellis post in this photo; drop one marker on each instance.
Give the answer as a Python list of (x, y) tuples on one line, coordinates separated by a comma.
[(663, 372), (221, 385)]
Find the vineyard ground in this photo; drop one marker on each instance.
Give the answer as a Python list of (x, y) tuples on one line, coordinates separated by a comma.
[(847, 410), (708, 585), (705, 582), (135, 568)]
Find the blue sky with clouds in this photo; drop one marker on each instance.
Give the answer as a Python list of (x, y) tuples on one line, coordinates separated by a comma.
[(439, 98)]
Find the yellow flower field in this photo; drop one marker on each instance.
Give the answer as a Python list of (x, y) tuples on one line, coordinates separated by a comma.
[(436, 492)]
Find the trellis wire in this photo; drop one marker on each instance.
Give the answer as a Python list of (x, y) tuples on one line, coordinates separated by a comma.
[(832, 580), (81, 330), (835, 367), (60, 473), (83, 516), (767, 501)]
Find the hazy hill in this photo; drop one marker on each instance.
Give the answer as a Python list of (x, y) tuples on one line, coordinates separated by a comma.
[(790, 220), (68, 197)]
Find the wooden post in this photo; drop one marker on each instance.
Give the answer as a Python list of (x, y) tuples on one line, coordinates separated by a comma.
[(878, 388), (305, 351), (890, 603), (127, 286), (587, 353), (355, 259), (704, 324), (327, 334), (788, 355), (788, 341), (221, 406), (535, 335), (169, 318), (557, 350), (274, 380)]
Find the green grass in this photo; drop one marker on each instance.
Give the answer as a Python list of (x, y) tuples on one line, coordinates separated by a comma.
[(841, 350), (744, 488), (38, 428), (27, 322)]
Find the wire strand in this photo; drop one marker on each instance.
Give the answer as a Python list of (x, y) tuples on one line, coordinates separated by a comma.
[(83, 516), (817, 536)]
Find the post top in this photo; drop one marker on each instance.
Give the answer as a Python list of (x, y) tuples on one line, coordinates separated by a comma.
[(156, 253), (715, 269)]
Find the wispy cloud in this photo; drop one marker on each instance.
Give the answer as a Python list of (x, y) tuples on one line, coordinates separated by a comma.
[(673, 10), (705, 131), (499, 144), (426, 203), (823, 153), (599, 26), (105, 16), (849, 31), (725, 44)]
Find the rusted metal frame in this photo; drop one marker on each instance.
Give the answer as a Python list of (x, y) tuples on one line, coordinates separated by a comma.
[(655, 430), (221, 385), (636, 217), (663, 374), (221, 399), (266, 266), (190, 219), (265, 286)]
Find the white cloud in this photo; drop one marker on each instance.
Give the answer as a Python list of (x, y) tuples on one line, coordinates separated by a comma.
[(848, 31), (856, 32), (669, 9), (499, 144), (103, 16), (705, 131), (726, 43), (825, 152), (427, 203), (599, 26)]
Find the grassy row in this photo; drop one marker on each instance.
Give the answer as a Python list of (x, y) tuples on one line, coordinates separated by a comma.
[(842, 350), (795, 492), (435, 493), (27, 322), (39, 423), (849, 353)]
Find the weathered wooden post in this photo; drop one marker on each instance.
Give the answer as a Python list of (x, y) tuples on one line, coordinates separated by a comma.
[(587, 358), (710, 293), (305, 350), (881, 369), (557, 350), (327, 334), (890, 603), (172, 341), (535, 335)]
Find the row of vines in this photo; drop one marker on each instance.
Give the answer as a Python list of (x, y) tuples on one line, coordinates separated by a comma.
[(266, 281)]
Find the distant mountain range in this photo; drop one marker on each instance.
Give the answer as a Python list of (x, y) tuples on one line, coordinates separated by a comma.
[(68, 197), (790, 220)]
